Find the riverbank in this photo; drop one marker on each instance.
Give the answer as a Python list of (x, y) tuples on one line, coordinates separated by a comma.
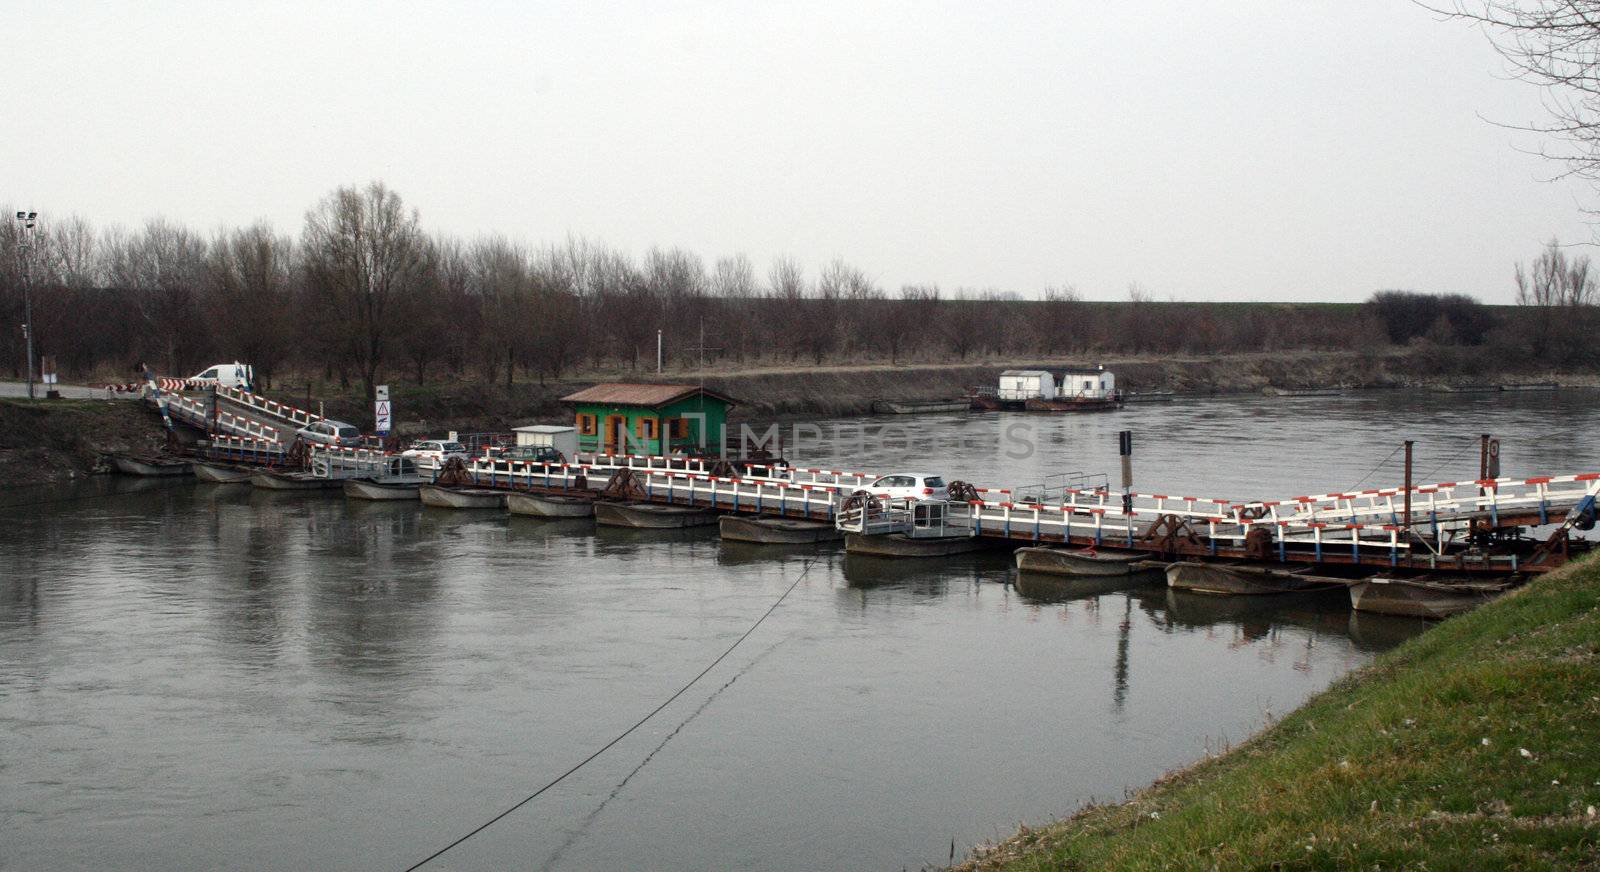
[(45, 441), (1469, 747), (767, 392)]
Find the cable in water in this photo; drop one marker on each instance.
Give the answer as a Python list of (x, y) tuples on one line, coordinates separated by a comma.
[(583, 826), (625, 733)]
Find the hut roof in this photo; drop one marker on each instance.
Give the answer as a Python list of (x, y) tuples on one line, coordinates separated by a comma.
[(642, 394)]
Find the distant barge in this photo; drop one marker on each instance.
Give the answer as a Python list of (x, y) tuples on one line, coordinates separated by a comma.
[(1036, 390)]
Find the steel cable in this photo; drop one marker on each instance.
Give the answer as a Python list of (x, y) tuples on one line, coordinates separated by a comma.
[(625, 733)]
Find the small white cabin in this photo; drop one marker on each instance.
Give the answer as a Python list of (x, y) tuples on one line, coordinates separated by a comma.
[(1090, 384), (562, 439), (1026, 384)]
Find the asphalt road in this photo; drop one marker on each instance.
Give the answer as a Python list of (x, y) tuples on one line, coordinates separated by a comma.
[(73, 392)]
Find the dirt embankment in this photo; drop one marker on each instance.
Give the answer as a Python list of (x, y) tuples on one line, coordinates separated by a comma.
[(44, 441), (767, 392), (55, 440)]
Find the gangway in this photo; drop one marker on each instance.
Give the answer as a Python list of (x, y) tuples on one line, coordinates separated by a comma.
[(914, 519)]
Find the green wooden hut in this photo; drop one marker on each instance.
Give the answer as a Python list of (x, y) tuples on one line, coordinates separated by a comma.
[(649, 419)]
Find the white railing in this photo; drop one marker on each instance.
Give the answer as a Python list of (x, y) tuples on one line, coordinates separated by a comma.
[(281, 411), (1444, 504), (912, 518), (329, 461), (741, 494), (197, 411), (237, 448), (756, 495)]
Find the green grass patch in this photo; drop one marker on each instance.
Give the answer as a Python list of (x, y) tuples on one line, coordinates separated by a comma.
[(1473, 746)]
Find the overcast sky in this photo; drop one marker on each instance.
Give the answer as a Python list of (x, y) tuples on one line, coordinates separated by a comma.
[(1315, 149)]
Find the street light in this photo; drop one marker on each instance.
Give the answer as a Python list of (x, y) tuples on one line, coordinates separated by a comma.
[(25, 225)]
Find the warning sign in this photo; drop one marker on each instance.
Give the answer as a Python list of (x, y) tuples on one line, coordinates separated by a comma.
[(383, 418)]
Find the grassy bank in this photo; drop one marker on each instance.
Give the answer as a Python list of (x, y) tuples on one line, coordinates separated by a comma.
[(1473, 746), (43, 441)]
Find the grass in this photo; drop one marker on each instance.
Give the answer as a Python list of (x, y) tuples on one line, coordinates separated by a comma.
[(1473, 746)]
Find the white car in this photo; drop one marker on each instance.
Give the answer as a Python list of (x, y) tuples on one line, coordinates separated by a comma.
[(228, 375), (331, 432), (910, 486), (432, 453)]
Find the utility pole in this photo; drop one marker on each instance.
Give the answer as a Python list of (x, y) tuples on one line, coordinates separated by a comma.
[(25, 225), (1406, 522)]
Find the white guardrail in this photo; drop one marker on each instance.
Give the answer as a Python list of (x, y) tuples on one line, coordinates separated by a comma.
[(1550, 496), (286, 413), (197, 411)]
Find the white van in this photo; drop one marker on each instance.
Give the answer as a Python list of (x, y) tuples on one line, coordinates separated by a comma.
[(228, 375)]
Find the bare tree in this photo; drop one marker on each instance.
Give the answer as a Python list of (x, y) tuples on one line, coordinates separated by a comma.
[(786, 283), (733, 284), (363, 252), (160, 269), (909, 318), (1554, 44), (1562, 293), (249, 296)]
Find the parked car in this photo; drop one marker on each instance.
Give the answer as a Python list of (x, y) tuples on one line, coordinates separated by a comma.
[(330, 432), (228, 375), (910, 486), (431, 453), (529, 454)]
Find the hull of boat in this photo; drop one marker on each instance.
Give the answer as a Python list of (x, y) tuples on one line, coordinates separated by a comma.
[(650, 516), (991, 404), (891, 407), (460, 498), (1043, 405), (218, 473), (900, 545), (149, 468), (1419, 599), (549, 506), (777, 531), (1079, 562), (1306, 392), (287, 481), (1224, 579), (1061, 588), (362, 489)]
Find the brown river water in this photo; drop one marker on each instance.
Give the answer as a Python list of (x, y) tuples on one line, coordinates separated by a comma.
[(205, 677)]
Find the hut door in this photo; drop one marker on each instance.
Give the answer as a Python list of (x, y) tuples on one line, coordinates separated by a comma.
[(616, 434)]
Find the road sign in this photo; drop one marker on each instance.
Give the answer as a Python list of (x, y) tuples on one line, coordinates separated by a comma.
[(381, 393), (383, 417)]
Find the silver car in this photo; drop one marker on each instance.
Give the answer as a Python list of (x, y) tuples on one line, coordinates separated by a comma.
[(330, 432)]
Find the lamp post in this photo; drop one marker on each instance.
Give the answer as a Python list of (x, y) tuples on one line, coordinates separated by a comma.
[(25, 225)]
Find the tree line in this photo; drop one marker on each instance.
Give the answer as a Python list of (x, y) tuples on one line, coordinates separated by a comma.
[(364, 294)]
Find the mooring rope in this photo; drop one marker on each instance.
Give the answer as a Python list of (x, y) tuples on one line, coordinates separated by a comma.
[(1375, 468), (625, 733)]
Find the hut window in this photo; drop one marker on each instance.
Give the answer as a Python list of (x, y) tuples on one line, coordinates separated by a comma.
[(680, 428), (586, 425), (646, 428)]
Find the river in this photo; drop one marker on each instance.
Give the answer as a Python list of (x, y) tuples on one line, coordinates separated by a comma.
[(200, 677)]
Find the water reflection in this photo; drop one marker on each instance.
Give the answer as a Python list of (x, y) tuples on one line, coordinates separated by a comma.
[(198, 677)]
